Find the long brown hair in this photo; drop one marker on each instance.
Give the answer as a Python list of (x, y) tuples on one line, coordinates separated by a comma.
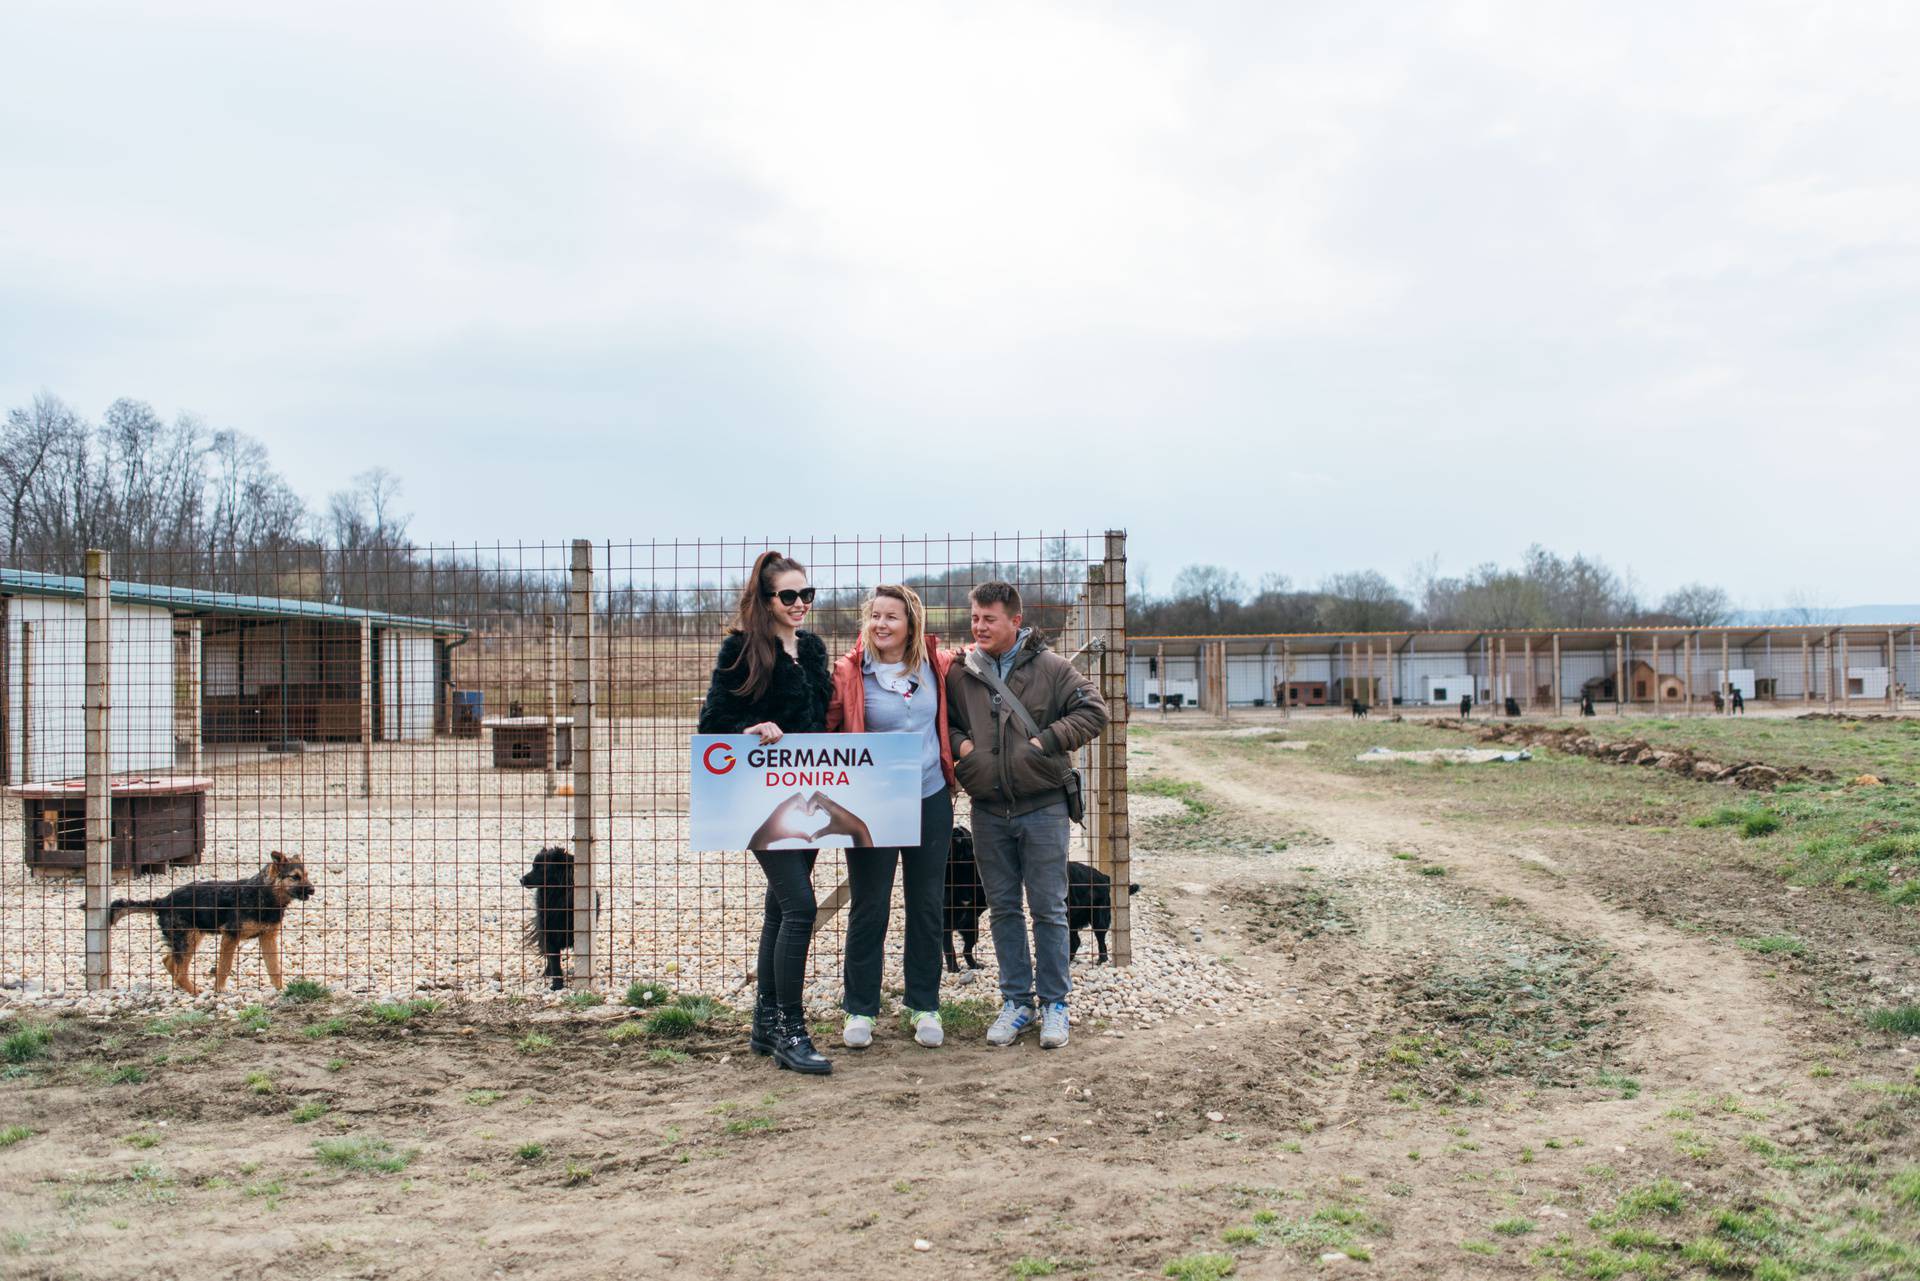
[(753, 620), (915, 652)]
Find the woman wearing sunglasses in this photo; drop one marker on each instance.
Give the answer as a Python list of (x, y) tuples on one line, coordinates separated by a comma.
[(894, 680), (771, 679)]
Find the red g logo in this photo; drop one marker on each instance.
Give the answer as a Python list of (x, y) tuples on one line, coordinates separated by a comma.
[(725, 758)]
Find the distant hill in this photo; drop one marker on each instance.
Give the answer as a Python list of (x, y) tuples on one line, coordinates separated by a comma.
[(1845, 615)]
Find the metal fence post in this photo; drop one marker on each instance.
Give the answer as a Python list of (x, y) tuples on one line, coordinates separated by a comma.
[(98, 762), (1112, 839), (586, 881)]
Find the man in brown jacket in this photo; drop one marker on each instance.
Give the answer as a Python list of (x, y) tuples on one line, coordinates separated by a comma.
[(1018, 777)]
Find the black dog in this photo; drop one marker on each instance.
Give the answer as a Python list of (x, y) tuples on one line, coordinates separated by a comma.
[(550, 931), (1359, 710), (1090, 905), (966, 899)]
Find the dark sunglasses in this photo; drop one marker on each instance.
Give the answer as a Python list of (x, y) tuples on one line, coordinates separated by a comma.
[(787, 597)]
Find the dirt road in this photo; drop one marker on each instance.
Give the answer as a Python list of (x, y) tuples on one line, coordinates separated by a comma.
[(1481, 1043)]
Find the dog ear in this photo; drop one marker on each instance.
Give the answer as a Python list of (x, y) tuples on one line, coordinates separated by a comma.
[(279, 859)]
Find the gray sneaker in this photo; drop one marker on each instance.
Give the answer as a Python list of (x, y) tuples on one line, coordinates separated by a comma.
[(858, 1033), (926, 1028), (1014, 1019), (1053, 1026)]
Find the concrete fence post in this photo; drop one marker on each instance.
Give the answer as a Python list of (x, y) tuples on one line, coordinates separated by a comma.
[(586, 877), (98, 757)]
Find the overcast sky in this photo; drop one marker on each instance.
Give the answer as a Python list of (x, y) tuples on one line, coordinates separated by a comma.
[(1306, 287)]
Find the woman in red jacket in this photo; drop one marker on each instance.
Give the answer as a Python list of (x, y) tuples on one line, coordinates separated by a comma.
[(894, 680)]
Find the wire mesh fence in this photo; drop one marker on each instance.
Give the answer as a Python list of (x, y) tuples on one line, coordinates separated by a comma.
[(413, 725)]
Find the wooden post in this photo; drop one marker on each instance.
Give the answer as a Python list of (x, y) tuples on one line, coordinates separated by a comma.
[(366, 706), (1687, 646), (1559, 704), (1620, 672), (195, 695), (586, 880), (98, 756), (1656, 673), (553, 700), (1526, 645), (1113, 844), (1286, 677), (1893, 670), (1220, 663), (1844, 689)]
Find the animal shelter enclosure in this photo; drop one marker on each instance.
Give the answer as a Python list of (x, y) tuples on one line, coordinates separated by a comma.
[(416, 724)]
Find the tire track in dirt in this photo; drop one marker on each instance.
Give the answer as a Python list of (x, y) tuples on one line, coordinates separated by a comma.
[(1704, 1019)]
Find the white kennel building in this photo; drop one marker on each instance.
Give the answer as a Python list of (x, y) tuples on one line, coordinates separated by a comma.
[(189, 668), (1854, 667)]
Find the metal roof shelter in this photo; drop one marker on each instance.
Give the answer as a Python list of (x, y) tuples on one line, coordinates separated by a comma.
[(190, 600), (192, 667), (1540, 668)]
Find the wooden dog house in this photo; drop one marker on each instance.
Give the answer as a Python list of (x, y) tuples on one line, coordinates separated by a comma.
[(156, 822)]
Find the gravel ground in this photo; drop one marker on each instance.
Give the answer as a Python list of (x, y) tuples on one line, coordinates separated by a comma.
[(419, 888)]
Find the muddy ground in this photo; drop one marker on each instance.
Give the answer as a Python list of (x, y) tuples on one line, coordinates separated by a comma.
[(1517, 1021)]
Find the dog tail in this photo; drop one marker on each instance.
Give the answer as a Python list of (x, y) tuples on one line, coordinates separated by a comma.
[(1132, 888), (121, 906)]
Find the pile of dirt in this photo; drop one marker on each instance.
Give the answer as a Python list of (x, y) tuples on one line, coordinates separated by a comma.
[(1685, 761)]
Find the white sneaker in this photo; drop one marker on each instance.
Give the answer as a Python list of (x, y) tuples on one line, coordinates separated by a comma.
[(926, 1028), (858, 1033), (1053, 1026), (1014, 1019)]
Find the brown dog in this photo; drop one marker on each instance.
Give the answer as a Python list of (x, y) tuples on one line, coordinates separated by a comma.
[(253, 908)]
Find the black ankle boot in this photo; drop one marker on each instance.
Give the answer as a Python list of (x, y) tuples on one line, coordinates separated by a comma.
[(766, 1024), (793, 1048)]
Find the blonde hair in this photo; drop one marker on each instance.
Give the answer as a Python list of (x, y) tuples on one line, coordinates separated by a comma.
[(916, 649)]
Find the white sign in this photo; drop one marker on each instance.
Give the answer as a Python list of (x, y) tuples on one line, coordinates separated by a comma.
[(807, 791)]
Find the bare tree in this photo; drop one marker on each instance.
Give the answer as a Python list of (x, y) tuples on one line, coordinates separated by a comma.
[(30, 438), (1363, 602), (1697, 605)]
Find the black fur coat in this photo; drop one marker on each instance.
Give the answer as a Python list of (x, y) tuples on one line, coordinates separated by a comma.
[(795, 699)]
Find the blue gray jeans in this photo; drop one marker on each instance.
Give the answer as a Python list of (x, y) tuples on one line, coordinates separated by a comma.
[(1027, 853)]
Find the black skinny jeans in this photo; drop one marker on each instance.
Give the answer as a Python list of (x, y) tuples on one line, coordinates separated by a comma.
[(786, 928), (924, 895)]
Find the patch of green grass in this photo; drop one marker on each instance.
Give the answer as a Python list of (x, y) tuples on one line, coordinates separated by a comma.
[(13, 1134), (750, 1125), (647, 996), (395, 1013), (630, 1030), (1774, 944), (127, 1074), (259, 1083), (531, 1151), (364, 1153), (335, 1065), (671, 1022), (1433, 869), (582, 1000), (1199, 1267), (24, 1044), (1903, 1019), (1479, 1247), (967, 1017), (1515, 1227), (663, 1057), (485, 1098), (1241, 1235), (335, 1026), (1032, 1267), (576, 1174), (1759, 823), (1187, 793), (1629, 1087), (303, 992), (142, 1139), (702, 1008), (1662, 1196), (312, 1110), (1904, 1188), (253, 1018), (534, 1043)]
